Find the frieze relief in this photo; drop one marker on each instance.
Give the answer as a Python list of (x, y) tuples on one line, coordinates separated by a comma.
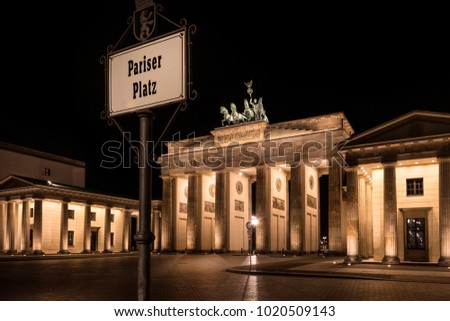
[(183, 207), (240, 133), (210, 207), (311, 201), (278, 203), (238, 206)]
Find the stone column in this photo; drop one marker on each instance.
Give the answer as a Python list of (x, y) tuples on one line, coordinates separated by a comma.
[(87, 229), (107, 236), (156, 229), (3, 239), (193, 229), (369, 225), (362, 215), (126, 231), (221, 210), (37, 227), (25, 232), (64, 229), (390, 215), (297, 209), (444, 211), (335, 243), (288, 213), (167, 214), (263, 209), (250, 233), (11, 228), (352, 216)]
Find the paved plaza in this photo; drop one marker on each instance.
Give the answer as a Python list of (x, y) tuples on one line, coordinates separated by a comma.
[(218, 277)]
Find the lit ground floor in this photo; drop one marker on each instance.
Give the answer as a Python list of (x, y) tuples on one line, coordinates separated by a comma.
[(39, 219)]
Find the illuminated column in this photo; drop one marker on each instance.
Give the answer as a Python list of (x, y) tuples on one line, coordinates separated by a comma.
[(87, 229), (10, 227), (263, 209), (369, 226), (156, 229), (193, 228), (444, 211), (352, 216), (297, 209), (288, 213), (362, 215), (390, 215), (25, 231), (3, 238), (250, 234), (126, 231), (37, 227), (168, 209), (335, 243), (222, 209), (64, 228), (107, 236)]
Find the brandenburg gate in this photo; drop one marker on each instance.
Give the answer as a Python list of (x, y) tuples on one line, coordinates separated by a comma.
[(209, 182)]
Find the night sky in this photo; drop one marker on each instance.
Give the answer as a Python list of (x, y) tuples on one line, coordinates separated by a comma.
[(373, 63)]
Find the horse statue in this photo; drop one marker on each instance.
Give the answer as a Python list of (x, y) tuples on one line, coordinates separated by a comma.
[(227, 117), (258, 109), (237, 117), (248, 112)]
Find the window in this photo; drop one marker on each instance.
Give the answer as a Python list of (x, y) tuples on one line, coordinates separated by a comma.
[(71, 214), (46, 171), (112, 218), (71, 237), (31, 238), (414, 186), (31, 212), (112, 239), (93, 216)]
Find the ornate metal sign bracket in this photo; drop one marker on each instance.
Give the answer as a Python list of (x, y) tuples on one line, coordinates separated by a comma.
[(143, 25)]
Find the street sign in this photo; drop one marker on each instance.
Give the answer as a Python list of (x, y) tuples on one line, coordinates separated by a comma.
[(148, 75)]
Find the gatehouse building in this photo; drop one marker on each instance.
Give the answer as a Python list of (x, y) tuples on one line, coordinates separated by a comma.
[(45, 208)]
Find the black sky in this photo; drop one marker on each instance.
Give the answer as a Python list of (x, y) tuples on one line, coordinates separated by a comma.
[(373, 63)]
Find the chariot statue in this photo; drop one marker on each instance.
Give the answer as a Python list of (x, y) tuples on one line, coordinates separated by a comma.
[(253, 110)]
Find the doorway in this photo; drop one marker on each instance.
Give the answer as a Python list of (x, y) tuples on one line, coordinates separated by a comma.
[(416, 247), (134, 229), (94, 240)]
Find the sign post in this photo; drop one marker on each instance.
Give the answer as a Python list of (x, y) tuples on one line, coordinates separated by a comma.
[(141, 77), (144, 237)]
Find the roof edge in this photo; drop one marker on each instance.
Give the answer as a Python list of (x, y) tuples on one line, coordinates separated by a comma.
[(397, 120), (41, 154)]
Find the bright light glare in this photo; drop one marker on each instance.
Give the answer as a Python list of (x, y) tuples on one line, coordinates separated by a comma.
[(254, 221)]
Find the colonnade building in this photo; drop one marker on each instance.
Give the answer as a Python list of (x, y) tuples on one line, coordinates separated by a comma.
[(45, 208), (388, 194)]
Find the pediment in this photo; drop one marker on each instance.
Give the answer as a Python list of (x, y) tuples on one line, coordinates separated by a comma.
[(15, 182), (416, 124)]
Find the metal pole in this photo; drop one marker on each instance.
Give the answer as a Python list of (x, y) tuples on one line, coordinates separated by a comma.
[(144, 237)]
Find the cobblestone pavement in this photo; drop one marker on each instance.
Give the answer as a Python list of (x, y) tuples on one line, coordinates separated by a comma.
[(221, 277)]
